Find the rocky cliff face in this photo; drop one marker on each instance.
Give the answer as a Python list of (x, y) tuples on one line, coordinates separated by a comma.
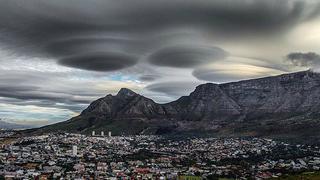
[(125, 104), (279, 105)]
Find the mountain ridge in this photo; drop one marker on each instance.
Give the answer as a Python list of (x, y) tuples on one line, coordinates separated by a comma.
[(265, 106)]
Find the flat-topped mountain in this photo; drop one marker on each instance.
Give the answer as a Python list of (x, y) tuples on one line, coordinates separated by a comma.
[(284, 105)]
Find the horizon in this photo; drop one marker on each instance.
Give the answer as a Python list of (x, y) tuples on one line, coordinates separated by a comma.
[(58, 56), (36, 124)]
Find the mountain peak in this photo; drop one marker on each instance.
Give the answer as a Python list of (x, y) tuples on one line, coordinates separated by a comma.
[(283, 105), (126, 92)]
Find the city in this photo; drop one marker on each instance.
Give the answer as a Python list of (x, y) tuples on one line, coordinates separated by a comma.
[(160, 89), (75, 156)]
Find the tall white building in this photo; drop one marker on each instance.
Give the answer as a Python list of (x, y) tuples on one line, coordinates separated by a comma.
[(109, 133), (74, 150), (102, 133), (93, 133)]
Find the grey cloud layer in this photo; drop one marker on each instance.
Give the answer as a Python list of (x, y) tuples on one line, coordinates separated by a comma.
[(99, 61), (149, 77), (173, 89), (183, 56), (59, 29), (139, 38), (309, 59), (45, 89), (214, 75)]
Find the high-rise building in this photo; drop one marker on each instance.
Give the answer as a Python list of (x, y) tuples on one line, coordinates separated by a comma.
[(74, 150), (102, 133), (109, 133), (93, 133)]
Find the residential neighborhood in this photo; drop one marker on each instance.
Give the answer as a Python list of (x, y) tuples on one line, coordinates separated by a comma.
[(76, 156)]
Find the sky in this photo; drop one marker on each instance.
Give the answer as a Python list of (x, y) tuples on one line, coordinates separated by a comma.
[(57, 56)]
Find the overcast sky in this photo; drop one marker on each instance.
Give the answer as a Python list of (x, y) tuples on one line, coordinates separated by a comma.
[(57, 56)]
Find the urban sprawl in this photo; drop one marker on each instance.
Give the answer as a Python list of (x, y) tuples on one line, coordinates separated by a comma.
[(75, 156)]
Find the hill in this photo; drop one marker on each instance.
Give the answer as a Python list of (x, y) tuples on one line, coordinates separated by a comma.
[(287, 105)]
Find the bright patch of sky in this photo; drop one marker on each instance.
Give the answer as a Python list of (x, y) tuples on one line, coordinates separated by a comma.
[(27, 114)]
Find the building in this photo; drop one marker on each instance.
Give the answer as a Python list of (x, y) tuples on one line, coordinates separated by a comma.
[(74, 150)]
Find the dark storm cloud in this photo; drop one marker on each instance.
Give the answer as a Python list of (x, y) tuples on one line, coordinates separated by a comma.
[(309, 59), (173, 89), (99, 61), (186, 56), (59, 29)]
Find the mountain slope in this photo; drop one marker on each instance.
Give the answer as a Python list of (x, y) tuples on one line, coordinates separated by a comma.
[(284, 105)]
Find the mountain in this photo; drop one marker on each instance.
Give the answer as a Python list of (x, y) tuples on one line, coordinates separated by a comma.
[(6, 125), (287, 105)]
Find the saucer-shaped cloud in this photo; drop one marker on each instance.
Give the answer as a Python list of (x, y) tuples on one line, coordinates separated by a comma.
[(186, 56), (71, 46), (54, 29), (231, 71), (109, 35), (173, 89), (99, 61)]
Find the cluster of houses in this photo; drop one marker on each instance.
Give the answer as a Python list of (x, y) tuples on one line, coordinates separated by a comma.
[(76, 156)]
